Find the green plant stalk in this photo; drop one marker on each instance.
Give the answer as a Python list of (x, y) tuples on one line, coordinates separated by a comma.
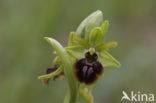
[(67, 68), (67, 97)]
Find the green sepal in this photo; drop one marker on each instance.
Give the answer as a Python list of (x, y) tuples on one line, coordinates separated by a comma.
[(107, 60), (104, 27), (76, 51), (106, 46), (93, 20), (53, 74), (95, 37), (80, 41), (67, 67)]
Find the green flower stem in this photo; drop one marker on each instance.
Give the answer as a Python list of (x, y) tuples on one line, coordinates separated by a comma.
[(87, 96), (67, 68), (67, 97)]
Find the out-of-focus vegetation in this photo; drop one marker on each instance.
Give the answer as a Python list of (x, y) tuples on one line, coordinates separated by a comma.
[(24, 54)]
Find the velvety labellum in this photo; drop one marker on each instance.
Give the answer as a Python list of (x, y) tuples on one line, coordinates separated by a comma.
[(88, 69)]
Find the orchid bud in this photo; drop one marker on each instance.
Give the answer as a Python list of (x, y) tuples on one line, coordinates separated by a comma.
[(93, 20)]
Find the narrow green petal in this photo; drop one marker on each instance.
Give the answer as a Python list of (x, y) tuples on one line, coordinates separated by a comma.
[(107, 60), (106, 46), (104, 27), (53, 74), (67, 67), (71, 37), (95, 37)]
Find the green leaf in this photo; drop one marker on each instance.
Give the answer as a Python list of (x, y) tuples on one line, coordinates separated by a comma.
[(93, 20), (104, 27), (82, 42), (95, 37), (76, 51), (106, 46), (67, 67), (53, 74), (107, 60)]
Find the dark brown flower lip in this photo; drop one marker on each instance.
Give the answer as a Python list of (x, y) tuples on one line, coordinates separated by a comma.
[(88, 71)]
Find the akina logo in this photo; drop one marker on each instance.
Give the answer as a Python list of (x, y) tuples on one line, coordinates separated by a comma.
[(138, 96)]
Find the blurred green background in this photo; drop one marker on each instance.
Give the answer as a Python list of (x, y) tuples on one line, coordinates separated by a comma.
[(24, 54)]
